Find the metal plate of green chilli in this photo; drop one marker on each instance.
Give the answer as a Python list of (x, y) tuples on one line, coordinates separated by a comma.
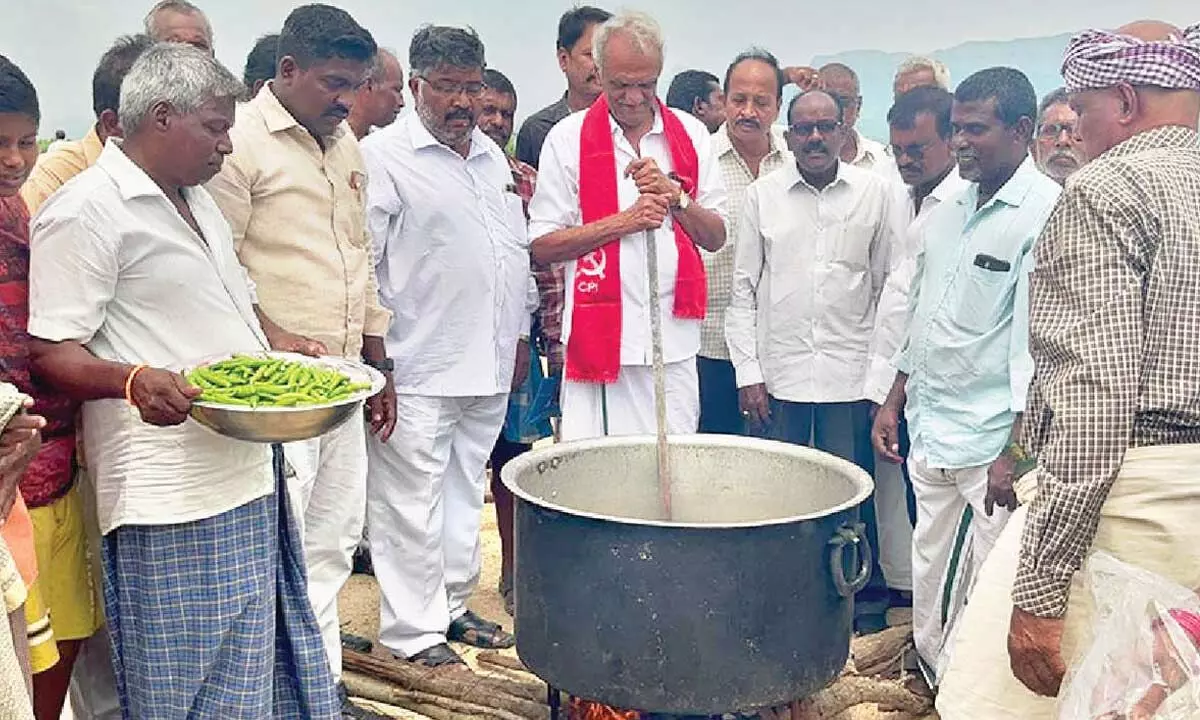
[(361, 380), (275, 424)]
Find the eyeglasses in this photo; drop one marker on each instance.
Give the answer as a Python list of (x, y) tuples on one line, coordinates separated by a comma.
[(913, 152), (1052, 131), (806, 129), (449, 87)]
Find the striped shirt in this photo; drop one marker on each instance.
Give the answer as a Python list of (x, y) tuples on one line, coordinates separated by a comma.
[(719, 265), (1114, 297)]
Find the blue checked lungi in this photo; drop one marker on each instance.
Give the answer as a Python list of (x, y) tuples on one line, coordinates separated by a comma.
[(211, 619)]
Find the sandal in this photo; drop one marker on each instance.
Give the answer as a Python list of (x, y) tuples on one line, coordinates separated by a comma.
[(477, 632), (436, 656)]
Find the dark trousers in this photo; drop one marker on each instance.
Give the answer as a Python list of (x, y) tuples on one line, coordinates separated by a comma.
[(719, 411), (844, 430), (501, 454)]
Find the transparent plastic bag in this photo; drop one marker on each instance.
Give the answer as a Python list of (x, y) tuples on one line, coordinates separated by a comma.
[(1144, 661)]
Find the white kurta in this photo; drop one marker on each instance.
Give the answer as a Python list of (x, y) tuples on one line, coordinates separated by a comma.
[(453, 262), (555, 206)]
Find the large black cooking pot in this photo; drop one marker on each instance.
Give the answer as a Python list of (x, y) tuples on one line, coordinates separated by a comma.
[(742, 600)]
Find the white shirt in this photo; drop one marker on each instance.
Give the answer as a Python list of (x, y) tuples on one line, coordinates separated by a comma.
[(452, 257), (891, 318), (808, 270), (555, 206), (115, 267)]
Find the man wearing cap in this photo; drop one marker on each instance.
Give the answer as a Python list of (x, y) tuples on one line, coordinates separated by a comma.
[(1114, 415)]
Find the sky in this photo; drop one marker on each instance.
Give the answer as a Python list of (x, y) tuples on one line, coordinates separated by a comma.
[(58, 42)]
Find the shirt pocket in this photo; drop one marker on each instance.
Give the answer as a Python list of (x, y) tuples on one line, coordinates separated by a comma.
[(506, 220), (981, 297), (349, 197), (847, 281)]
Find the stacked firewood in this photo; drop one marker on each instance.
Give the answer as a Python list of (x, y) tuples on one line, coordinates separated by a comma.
[(873, 686)]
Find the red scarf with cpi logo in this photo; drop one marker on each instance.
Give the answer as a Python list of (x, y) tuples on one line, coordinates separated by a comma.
[(594, 348)]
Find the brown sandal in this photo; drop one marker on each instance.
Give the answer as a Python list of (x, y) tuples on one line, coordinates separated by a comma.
[(473, 630)]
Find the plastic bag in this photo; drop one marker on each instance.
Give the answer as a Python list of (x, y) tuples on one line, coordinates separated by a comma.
[(1144, 661)]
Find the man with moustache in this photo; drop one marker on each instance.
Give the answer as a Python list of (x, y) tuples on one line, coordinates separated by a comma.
[(628, 167), (842, 82), (810, 259), (204, 582), (963, 369), (920, 144), (453, 261), (1116, 271), (381, 97), (293, 191), (574, 48), (1057, 147), (748, 146), (698, 92)]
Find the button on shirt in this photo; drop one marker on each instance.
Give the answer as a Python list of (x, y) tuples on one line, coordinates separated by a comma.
[(809, 267), (116, 268), (891, 317), (297, 214), (966, 352), (718, 266), (453, 260), (555, 207)]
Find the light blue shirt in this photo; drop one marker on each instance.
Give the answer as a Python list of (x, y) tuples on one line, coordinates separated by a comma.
[(966, 351)]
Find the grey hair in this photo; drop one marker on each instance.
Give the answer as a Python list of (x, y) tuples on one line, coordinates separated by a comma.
[(1058, 96), (182, 7), (941, 73), (643, 31), (436, 45), (377, 63), (179, 75)]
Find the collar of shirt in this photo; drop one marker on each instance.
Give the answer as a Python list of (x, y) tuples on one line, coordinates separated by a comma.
[(1011, 193), (131, 180), (422, 139), (723, 144), (793, 179), (869, 151), (279, 119), (1160, 137)]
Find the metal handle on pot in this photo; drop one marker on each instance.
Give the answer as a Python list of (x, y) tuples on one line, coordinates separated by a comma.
[(856, 537)]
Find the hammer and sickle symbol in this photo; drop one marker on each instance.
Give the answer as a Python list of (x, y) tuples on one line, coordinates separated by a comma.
[(593, 265)]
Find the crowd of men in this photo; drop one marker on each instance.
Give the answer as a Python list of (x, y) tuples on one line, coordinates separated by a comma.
[(991, 313)]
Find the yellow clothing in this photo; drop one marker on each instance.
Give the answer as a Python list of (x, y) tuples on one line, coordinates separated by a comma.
[(299, 225), (43, 652), (55, 167), (66, 582)]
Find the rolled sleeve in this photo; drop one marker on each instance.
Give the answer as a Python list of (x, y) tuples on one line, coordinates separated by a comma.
[(741, 319), (73, 272)]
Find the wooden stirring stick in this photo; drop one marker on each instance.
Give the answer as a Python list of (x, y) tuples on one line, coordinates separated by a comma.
[(660, 382)]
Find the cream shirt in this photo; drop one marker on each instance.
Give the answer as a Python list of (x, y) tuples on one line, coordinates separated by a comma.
[(299, 225)]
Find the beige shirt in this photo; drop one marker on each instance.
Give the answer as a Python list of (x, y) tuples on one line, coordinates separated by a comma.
[(58, 165), (299, 225)]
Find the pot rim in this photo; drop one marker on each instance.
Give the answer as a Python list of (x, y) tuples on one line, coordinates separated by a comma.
[(528, 461)]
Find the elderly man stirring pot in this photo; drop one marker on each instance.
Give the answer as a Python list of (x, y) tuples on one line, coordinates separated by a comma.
[(133, 272), (626, 167)]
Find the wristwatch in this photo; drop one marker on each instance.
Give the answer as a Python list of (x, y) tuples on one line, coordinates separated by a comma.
[(684, 200), (385, 365)]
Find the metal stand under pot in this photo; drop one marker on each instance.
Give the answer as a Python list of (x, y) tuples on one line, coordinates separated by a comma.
[(742, 600)]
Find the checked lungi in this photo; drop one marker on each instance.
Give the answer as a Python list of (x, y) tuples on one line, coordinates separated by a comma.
[(210, 619)]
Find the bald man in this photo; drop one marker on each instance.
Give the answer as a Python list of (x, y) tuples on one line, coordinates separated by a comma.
[(381, 97), (1117, 266), (842, 82)]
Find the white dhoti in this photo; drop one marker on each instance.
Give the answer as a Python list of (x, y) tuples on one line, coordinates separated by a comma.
[(626, 407), (952, 537), (328, 492), (1148, 520), (424, 502), (895, 526)]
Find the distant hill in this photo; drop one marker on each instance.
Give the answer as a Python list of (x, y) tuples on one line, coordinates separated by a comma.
[(1039, 58)]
